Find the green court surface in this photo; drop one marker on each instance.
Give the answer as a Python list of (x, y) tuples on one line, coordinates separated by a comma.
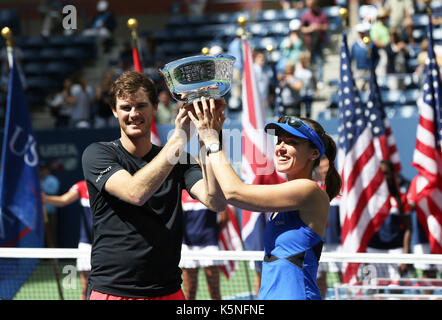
[(42, 284)]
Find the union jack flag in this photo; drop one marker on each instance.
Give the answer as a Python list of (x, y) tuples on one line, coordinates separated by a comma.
[(426, 187), (365, 198), (257, 150)]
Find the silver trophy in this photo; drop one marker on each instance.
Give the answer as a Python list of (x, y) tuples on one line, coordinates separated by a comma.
[(191, 78)]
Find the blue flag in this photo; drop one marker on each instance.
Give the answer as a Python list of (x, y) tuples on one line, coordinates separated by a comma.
[(21, 213)]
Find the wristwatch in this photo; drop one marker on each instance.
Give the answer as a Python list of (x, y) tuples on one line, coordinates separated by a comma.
[(213, 148)]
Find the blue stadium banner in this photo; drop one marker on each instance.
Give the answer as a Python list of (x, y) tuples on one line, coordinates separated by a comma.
[(21, 214)]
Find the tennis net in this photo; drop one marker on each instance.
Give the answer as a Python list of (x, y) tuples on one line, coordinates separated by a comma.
[(53, 273)]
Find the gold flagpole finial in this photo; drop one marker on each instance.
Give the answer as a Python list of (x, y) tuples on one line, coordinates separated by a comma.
[(205, 51), (242, 21), (132, 24), (343, 13), (7, 34)]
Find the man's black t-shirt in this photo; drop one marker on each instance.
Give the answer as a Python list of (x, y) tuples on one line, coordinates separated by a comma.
[(136, 249)]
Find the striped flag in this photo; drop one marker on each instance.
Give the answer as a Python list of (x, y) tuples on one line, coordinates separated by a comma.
[(154, 136), (426, 187), (257, 165), (230, 239), (384, 141), (365, 198), (21, 212)]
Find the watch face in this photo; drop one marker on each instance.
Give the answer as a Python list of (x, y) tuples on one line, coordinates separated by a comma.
[(215, 147)]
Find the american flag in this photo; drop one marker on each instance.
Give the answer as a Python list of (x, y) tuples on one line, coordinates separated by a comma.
[(154, 136), (257, 151), (365, 197), (427, 157), (385, 143)]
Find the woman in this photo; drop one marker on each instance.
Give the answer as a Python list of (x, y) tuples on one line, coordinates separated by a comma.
[(294, 232)]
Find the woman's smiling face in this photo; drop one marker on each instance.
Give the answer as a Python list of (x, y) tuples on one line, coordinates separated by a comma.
[(293, 154)]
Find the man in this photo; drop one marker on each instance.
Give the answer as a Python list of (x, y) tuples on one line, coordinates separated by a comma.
[(314, 28), (78, 191), (135, 196)]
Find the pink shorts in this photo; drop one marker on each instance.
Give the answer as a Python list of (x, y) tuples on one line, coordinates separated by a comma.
[(95, 295)]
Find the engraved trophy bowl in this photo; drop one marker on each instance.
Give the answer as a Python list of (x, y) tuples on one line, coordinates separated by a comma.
[(191, 78)]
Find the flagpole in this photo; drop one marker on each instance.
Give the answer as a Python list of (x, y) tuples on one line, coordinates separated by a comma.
[(8, 36), (242, 21)]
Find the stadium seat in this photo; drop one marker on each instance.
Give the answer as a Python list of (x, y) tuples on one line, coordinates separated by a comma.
[(60, 67), (289, 14), (74, 53), (31, 55), (259, 29), (50, 54), (221, 18), (411, 96), (268, 15), (34, 68), (407, 111), (60, 41), (178, 20), (42, 82), (392, 97), (35, 42), (420, 21), (279, 29)]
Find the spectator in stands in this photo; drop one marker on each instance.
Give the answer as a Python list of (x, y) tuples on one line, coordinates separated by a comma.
[(50, 185), (291, 4), (394, 234), (314, 28), (303, 73), (104, 116), (401, 12), (167, 108), (290, 90), (419, 72), (196, 7), (62, 105), (292, 45), (264, 78), (361, 58), (102, 25), (201, 232), (78, 192), (332, 238), (380, 32), (82, 95), (368, 14), (397, 60), (380, 35), (135, 195)]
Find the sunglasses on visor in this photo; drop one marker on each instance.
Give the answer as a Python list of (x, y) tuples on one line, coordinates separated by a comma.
[(305, 129)]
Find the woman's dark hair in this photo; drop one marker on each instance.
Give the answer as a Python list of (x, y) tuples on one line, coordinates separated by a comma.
[(333, 181), (128, 83)]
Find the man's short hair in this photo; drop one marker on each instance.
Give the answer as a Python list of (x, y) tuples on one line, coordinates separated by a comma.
[(128, 84)]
